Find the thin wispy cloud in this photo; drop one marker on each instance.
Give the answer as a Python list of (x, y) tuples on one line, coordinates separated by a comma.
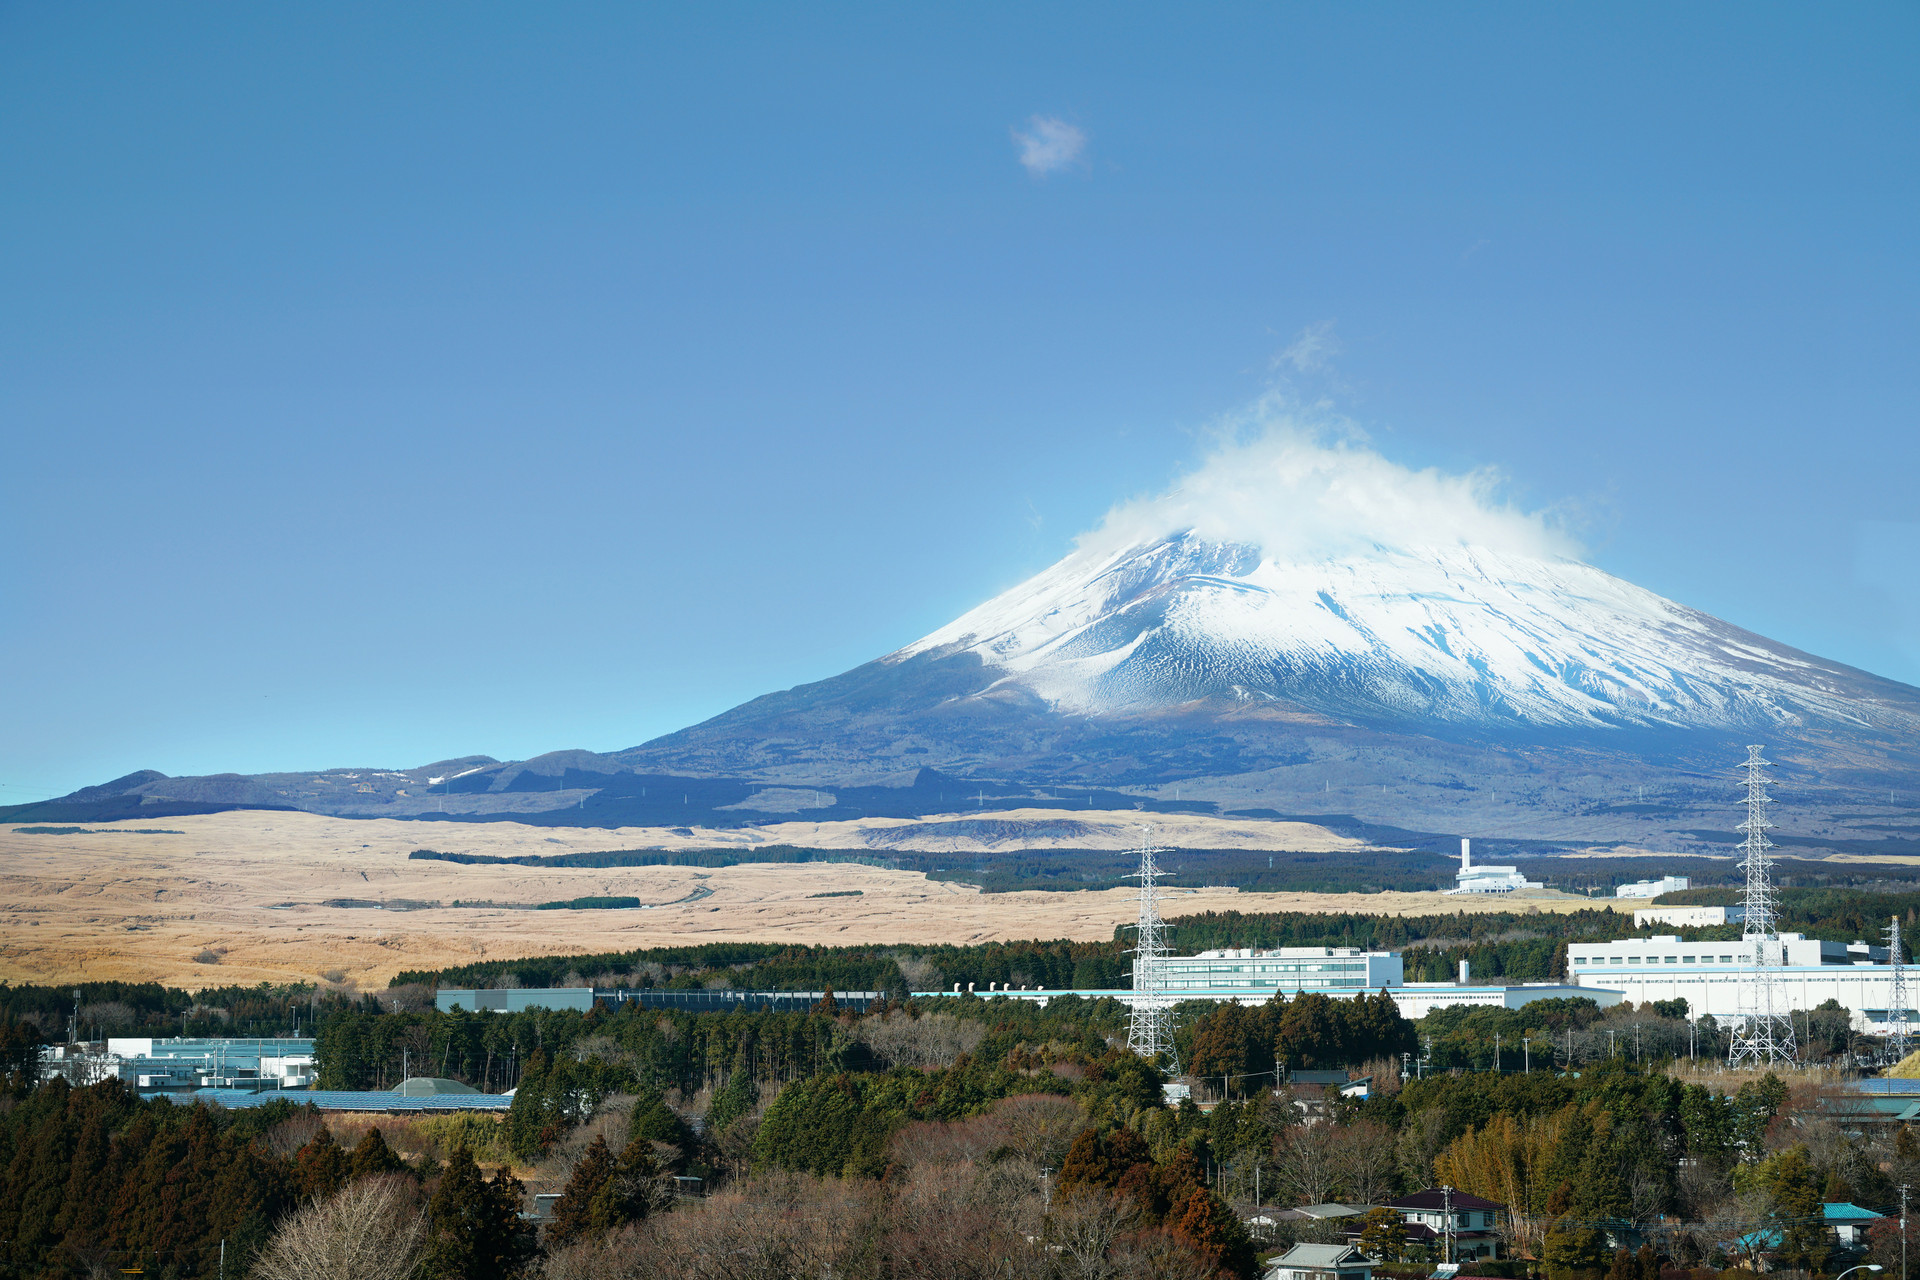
[(1311, 351), (1049, 144)]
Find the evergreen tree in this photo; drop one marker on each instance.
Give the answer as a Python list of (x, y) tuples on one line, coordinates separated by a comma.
[(319, 1167), (1797, 1206), (530, 1120), (1205, 1224), (1383, 1235), (573, 1213), (475, 1231), (19, 1057), (738, 1096), (373, 1157)]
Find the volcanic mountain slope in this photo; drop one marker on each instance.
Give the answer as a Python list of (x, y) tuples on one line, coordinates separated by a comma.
[(1450, 688), (1433, 688)]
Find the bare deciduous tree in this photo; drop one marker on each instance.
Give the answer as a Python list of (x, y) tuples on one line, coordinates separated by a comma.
[(1365, 1161), (292, 1134), (1085, 1230), (761, 1228), (931, 1040), (371, 1230), (1306, 1162), (1040, 1126), (1418, 1144)]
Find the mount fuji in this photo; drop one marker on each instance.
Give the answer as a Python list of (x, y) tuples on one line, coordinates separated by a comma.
[(1296, 630), (1436, 688)]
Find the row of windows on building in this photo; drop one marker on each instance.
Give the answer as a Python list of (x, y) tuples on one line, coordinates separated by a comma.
[(1683, 959), (1187, 966)]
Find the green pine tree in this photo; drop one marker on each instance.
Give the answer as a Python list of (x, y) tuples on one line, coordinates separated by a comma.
[(373, 1157), (475, 1231)]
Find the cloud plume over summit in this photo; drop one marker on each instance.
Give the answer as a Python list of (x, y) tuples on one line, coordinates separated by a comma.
[(1303, 488)]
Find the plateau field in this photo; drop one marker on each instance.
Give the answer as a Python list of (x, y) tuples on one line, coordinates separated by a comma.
[(251, 896)]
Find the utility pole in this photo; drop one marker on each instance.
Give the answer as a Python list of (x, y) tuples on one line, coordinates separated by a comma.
[(1446, 1199), (1903, 1231), (1496, 1053)]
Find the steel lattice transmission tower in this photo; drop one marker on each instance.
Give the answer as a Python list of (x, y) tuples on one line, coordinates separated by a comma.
[(1897, 1015), (1765, 1033), (1150, 1024)]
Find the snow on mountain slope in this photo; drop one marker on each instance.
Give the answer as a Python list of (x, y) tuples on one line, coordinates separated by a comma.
[(1455, 633)]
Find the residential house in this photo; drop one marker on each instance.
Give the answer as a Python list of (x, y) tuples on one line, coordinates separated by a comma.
[(1315, 1091), (1473, 1224), (1321, 1262), (1849, 1224)]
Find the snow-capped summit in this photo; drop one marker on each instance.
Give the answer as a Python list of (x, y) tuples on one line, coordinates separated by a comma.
[(1458, 634)]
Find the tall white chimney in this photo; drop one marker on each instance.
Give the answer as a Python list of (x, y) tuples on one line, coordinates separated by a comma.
[(1466, 854)]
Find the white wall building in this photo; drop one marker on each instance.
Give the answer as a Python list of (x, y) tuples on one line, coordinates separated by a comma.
[(1688, 917), (1472, 879), (1330, 970), (1708, 975), (1418, 999), (1653, 888)]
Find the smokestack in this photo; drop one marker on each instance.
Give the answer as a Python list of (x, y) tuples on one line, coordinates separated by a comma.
[(1466, 854), (1463, 964)]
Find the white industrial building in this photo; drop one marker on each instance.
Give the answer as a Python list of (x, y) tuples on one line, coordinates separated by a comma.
[(1688, 917), (1709, 975), (1653, 888), (1334, 970), (1248, 975), (225, 1062), (1472, 879)]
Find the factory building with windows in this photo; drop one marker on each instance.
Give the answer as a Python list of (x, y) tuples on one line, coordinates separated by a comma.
[(1709, 975), (1330, 970)]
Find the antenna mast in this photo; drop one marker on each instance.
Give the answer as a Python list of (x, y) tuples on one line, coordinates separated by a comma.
[(1897, 1016), (1763, 1036), (1150, 1022)]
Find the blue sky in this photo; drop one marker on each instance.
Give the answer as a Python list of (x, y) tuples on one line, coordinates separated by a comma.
[(385, 383)]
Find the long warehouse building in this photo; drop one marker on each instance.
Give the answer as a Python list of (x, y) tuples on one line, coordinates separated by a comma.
[(1709, 975)]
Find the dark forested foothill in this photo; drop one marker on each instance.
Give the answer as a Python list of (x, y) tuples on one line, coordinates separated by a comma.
[(969, 1135)]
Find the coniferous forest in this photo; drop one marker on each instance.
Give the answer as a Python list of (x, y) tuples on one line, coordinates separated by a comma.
[(968, 1136)]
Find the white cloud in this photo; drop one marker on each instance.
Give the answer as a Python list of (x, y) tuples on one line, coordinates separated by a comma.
[(1303, 486), (1312, 351), (1049, 144)]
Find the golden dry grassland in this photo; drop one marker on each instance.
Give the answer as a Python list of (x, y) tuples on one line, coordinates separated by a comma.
[(245, 892)]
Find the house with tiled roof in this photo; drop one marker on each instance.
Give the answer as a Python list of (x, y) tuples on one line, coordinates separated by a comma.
[(1470, 1223), (1321, 1262)]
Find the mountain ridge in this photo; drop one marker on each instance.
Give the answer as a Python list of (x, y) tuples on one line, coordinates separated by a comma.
[(1442, 689)]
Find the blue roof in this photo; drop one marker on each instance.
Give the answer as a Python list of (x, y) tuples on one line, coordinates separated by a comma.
[(343, 1099), (1830, 1212), (1883, 1084)]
